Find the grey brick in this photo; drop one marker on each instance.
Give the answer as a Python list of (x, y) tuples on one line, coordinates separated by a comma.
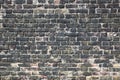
[(51, 16), (106, 65), (1, 1), (116, 1), (66, 1), (113, 5), (71, 6), (93, 1), (61, 6), (29, 1), (51, 6), (29, 6), (19, 1), (104, 1), (54, 39), (41, 1), (8, 1), (82, 11)]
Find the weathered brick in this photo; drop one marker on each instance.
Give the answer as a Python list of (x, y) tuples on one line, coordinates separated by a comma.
[(59, 39)]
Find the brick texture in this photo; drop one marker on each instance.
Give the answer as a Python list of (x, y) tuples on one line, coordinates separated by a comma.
[(59, 39)]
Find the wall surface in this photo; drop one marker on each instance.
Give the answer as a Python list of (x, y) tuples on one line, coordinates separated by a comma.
[(60, 39)]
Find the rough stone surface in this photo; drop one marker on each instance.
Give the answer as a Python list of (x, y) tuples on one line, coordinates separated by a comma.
[(59, 39)]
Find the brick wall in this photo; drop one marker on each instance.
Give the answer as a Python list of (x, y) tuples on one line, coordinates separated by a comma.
[(59, 39)]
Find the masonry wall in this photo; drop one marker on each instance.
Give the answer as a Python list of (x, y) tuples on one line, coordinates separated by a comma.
[(60, 39)]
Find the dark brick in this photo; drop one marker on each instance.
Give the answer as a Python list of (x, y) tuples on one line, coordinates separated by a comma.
[(29, 11), (82, 11), (8, 11), (114, 29), (94, 15), (22, 39), (85, 1), (71, 6), (66, 1), (105, 43), (39, 16), (119, 10), (92, 6), (41, 1), (93, 43), (101, 61), (1, 1), (9, 16), (51, 16), (68, 16), (116, 39), (5, 73), (117, 20), (102, 5), (29, 1), (62, 39), (94, 20), (73, 30), (102, 10), (51, 6), (53, 21), (29, 6), (72, 10), (19, 1), (92, 10), (93, 1), (61, 16), (19, 11), (114, 10), (84, 56), (72, 34), (87, 74), (116, 5), (83, 39), (104, 1), (94, 38), (106, 47), (63, 21), (61, 6), (109, 56), (116, 1), (106, 65), (50, 1), (4, 64)]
